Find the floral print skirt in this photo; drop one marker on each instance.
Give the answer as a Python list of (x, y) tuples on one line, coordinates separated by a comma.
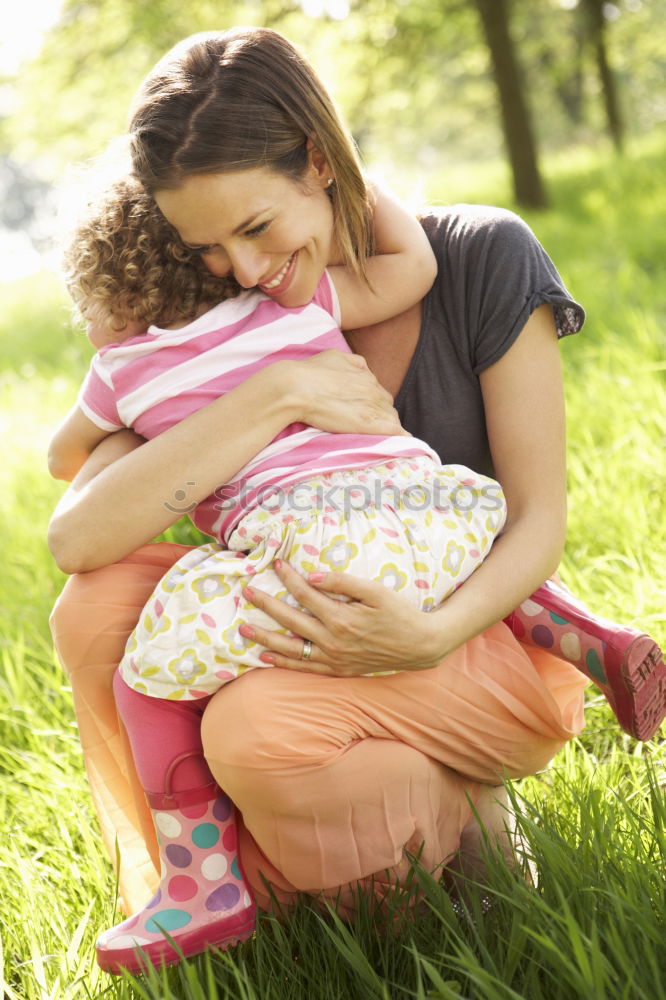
[(416, 527)]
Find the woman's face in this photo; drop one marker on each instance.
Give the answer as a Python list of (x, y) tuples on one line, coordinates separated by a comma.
[(258, 225)]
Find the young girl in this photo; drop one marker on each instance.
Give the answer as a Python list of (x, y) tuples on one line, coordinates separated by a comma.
[(381, 506)]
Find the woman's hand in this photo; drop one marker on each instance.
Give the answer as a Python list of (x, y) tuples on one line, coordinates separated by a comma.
[(337, 392), (374, 630)]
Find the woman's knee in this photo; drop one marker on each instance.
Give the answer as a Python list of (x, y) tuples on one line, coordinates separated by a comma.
[(96, 611), (78, 620), (240, 726), (260, 730), (68, 605)]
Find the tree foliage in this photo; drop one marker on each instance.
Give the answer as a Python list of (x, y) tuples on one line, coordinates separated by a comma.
[(413, 77)]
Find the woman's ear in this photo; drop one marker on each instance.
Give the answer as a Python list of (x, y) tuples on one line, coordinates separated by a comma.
[(317, 164)]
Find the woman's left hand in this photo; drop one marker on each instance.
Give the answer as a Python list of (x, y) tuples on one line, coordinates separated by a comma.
[(375, 630)]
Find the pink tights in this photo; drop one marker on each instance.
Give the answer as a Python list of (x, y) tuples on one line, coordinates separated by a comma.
[(165, 737)]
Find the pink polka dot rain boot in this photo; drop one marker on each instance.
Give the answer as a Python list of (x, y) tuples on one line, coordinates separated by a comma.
[(203, 900), (625, 664)]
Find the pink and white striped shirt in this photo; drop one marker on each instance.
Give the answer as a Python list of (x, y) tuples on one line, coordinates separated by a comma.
[(155, 380)]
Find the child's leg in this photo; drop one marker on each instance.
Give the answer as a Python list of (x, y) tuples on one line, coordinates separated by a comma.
[(165, 737), (203, 899), (91, 623), (625, 664)]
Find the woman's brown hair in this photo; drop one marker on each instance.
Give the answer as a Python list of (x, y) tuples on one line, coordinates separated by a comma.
[(240, 99)]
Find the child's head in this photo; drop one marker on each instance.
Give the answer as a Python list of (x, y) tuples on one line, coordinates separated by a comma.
[(125, 267)]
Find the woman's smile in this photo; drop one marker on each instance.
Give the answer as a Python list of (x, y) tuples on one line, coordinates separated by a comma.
[(279, 282)]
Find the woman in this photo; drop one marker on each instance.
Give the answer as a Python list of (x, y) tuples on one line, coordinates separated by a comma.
[(339, 777)]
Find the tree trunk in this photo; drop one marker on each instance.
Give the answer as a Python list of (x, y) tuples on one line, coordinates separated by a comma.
[(518, 135), (597, 24)]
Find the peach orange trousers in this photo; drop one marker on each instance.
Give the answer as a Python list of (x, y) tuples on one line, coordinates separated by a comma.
[(336, 779)]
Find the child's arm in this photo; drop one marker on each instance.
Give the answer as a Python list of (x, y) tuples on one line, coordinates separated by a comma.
[(400, 273), (77, 436), (73, 443)]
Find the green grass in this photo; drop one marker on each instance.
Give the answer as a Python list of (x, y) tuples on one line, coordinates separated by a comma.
[(594, 824)]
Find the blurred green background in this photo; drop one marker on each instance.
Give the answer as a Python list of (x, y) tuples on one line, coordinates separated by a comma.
[(422, 83), (419, 85)]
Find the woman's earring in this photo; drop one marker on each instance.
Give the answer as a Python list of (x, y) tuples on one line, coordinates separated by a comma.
[(329, 182)]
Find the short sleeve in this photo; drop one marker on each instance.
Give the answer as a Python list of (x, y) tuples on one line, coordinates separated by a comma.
[(496, 273), (97, 397), (326, 296)]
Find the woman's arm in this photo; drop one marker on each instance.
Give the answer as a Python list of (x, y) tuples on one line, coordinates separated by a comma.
[(380, 630), (105, 516), (399, 274), (524, 405)]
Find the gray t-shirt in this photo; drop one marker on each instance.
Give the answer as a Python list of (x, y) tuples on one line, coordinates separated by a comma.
[(492, 274)]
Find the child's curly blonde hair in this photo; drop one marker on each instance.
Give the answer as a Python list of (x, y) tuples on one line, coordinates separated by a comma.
[(125, 262)]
